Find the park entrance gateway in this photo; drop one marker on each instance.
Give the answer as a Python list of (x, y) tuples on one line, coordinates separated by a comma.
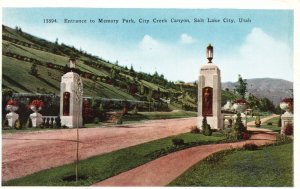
[(209, 93), (71, 98)]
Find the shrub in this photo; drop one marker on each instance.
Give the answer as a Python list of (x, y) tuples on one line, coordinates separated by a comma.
[(250, 146), (282, 139), (29, 123), (47, 123), (269, 123), (288, 129), (5, 123), (246, 136), (279, 122), (135, 110), (96, 120), (17, 124), (57, 122), (238, 127), (257, 121), (120, 120), (177, 141), (195, 129), (206, 130)]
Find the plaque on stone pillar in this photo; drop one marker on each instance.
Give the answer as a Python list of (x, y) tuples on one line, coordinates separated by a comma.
[(66, 104), (207, 101)]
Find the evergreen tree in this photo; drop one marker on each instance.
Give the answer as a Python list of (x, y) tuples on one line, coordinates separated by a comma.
[(33, 70), (206, 129), (131, 68), (239, 127), (241, 87)]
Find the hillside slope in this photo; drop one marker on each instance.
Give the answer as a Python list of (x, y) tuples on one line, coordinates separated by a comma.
[(101, 78)]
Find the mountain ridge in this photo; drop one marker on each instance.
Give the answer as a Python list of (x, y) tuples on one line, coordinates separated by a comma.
[(274, 89)]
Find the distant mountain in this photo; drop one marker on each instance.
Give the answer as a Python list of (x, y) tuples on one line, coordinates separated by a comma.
[(273, 89)]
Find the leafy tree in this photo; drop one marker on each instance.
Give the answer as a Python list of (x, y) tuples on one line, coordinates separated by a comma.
[(253, 102), (266, 105), (227, 96), (241, 87)]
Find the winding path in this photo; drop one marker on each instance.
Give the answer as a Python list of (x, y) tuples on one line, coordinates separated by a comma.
[(162, 171)]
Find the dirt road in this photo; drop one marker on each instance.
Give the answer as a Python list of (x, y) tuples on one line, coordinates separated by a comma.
[(29, 152)]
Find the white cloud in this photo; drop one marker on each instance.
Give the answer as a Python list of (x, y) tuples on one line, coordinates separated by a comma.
[(148, 43), (186, 39), (261, 55)]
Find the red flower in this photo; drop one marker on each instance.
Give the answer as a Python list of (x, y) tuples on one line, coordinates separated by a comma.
[(288, 100), (11, 102), (37, 103), (240, 101), (246, 136)]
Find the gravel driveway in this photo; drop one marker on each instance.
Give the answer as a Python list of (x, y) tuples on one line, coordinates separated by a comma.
[(24, 153)]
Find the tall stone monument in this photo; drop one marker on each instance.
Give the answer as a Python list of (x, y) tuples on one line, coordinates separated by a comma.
[(71, 90), (209, 93)]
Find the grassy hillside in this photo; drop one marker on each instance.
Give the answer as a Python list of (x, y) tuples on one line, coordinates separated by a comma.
[(101, 78)]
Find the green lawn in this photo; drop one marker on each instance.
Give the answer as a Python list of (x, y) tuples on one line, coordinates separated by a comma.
[(142, 116), (269, 166), (274, 127), (100, 167)]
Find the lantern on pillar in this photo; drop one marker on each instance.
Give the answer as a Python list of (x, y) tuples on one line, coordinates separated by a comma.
[(209, 53), (72, 63)]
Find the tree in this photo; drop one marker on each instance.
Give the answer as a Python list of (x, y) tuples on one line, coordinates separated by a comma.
[(266, 105), (33, 70), (241, 87), (131, 68), (239, 127), (206, 129)]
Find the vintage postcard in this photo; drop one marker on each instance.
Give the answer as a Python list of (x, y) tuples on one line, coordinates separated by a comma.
[(196, 96)]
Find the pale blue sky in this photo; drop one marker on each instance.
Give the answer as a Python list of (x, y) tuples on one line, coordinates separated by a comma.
[(262, 48)]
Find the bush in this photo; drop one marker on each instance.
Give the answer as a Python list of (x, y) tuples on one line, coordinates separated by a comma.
[(257, 121), (246, 136), (178, 141), (206, 130), (238, 128), (57, 122), (5, 123), (269, 123), (282, 139), (29, 123), (288, 129), (17, 124), (250, 146), (120, 120), (195, 129), (96, 120), (279, 122), (135, 110)]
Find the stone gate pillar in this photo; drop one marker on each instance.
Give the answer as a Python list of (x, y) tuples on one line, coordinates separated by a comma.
[(71, 98), (209, 93)]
